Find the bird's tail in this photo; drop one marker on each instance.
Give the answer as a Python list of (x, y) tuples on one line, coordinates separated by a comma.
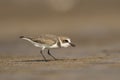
[(26, 38), (21, 37)]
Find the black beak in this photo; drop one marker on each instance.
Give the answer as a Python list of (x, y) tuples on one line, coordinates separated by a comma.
[(73, 45)]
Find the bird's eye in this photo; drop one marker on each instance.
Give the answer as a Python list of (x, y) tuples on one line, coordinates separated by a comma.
[(65, 41)]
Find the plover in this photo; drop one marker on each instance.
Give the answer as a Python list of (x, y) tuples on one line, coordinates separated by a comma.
[(48, 42)]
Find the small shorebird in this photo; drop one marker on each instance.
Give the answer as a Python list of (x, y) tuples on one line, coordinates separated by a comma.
[(48, 42)]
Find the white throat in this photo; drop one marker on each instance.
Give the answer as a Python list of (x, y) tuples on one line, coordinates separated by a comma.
[(65, 45)]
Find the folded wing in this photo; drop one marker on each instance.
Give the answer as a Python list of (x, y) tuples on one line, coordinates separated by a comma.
[(46, 40)]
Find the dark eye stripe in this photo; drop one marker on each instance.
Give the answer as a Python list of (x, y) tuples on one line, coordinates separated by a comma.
[(64, 41)]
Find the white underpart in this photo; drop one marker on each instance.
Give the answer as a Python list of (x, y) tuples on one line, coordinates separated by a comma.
[(54, 46)]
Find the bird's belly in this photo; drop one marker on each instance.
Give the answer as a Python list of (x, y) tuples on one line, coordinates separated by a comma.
[(54, 46), (46, 46), (38, 45)]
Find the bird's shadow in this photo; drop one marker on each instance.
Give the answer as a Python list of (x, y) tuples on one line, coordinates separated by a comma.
[(37, 60), (70, 60)]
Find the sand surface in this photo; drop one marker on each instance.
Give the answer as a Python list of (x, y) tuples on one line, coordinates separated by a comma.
[(71, 64)]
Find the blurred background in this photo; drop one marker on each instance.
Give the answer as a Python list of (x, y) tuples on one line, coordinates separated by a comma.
[(87, 22), (93, 25)]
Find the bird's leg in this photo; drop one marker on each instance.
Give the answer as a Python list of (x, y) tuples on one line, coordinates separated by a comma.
[(41, 51), (51, 55)]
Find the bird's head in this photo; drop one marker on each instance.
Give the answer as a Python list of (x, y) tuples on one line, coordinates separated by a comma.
[(66, 42)]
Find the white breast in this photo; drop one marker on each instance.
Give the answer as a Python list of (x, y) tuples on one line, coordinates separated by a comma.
[(54, 46)]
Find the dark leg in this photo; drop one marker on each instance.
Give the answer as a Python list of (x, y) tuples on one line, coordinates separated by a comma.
[(41, 51), (51, 55)]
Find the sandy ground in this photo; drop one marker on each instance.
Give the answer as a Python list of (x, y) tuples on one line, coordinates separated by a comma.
[(34, 68), (80, 63)]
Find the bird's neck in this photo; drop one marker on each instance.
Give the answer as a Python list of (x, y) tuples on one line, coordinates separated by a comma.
[(59, 42)]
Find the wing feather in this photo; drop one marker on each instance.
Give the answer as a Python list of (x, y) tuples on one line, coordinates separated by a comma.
[(47, 40)]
